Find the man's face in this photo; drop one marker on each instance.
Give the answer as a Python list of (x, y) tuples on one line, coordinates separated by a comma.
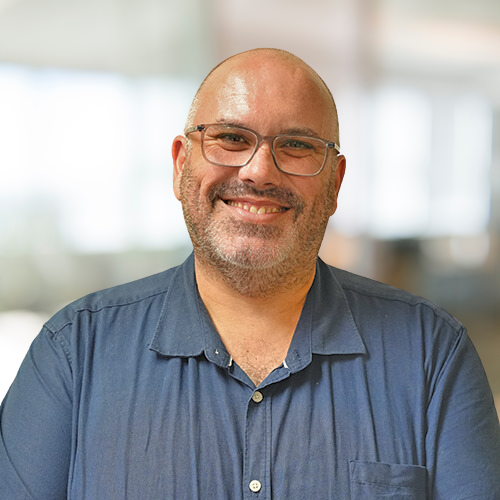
[(256, 216)]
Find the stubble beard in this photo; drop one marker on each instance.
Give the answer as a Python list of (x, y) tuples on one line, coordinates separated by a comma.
[(277, 261)]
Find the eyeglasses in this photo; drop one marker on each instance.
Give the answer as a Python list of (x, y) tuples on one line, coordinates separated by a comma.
[(231, 146)]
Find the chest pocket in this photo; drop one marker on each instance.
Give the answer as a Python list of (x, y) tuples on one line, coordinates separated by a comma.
[(377, 480)]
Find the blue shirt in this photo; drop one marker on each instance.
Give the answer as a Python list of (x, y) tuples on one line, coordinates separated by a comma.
[(129, 393)]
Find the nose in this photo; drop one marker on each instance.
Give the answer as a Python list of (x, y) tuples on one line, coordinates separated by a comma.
[(261, 169)]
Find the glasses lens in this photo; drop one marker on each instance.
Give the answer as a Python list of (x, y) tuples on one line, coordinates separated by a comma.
[(229, 146), (299, 154)]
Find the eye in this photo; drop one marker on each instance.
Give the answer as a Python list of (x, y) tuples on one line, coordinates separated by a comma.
[(296, 144), (231, 137), (296, 147)]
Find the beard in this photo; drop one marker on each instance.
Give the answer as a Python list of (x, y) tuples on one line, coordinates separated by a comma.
[(254, 259)]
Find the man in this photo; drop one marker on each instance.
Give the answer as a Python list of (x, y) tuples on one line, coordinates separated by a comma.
[(253, 370)]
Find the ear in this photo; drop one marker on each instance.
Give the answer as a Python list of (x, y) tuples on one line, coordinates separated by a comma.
[(179, 157), (339, 176)]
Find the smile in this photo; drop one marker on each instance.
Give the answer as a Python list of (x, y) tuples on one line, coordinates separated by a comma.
[(254, 209)]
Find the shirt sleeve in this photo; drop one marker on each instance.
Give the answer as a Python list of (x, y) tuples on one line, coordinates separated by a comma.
[(35, 424), (463, 438)]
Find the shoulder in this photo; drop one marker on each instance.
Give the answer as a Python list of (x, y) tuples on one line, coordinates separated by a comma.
[(384, 313), (118, 299), (364, 291), (409, 339)]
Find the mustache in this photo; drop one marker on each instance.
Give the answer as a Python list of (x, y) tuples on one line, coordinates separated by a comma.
[(282, 196)]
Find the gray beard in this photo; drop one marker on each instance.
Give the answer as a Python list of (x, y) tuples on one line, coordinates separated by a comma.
[(249, 271), (257, 272)]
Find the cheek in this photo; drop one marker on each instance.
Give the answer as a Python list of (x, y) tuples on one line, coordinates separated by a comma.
[(329, 188), (197, 184), (320, 191), (324, 198), (189, 188)]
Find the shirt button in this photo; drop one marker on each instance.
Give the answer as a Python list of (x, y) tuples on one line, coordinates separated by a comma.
[(257, 397), (255, 486)]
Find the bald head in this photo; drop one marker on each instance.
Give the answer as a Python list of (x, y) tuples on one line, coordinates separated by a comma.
[(261, 74)]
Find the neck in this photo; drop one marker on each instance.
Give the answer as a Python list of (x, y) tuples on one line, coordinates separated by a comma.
[(255, 328)]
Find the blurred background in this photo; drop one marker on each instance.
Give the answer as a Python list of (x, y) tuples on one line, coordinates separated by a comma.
[(92, 93)]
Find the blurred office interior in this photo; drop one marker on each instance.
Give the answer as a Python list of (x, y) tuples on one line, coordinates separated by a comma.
[(92, 93)]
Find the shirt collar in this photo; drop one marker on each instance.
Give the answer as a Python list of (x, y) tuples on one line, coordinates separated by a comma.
[(333, 325), (178, 329), (184, 328), (326, 325)]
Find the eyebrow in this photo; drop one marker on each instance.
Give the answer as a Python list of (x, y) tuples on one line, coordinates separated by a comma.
[(230, 123), (300, 131), (306, 131)]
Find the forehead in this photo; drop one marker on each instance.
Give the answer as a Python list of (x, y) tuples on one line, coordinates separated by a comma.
[(270, 95)]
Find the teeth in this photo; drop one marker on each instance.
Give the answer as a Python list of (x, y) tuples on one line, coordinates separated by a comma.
[(254, 210)]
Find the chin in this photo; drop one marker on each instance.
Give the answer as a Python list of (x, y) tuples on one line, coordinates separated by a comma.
[(251, 257)]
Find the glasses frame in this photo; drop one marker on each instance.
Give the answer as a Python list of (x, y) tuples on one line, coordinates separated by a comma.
[(202, 127)]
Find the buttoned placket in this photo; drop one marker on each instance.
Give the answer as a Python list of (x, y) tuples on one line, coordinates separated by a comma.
[(257, 456)]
